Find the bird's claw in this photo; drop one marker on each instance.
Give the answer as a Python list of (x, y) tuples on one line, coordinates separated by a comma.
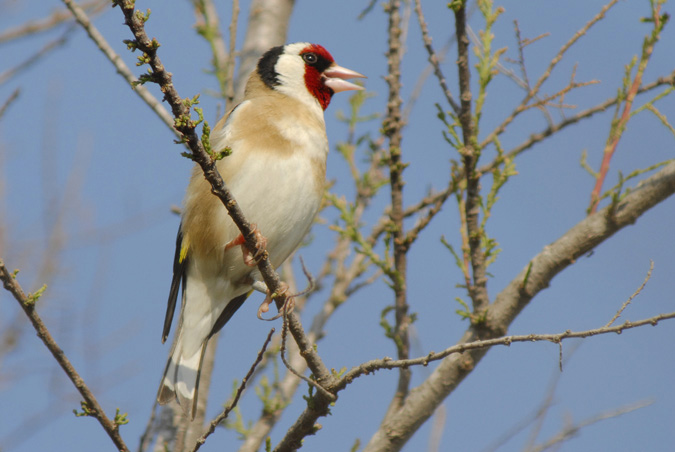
[(287, 308), (250, 260)]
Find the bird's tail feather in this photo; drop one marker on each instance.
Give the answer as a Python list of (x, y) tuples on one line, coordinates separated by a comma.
[(181, 379)]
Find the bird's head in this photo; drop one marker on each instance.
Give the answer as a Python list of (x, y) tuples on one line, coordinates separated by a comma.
[(305, 71)]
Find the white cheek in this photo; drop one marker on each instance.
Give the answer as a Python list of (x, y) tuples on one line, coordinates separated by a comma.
[(291, 75)]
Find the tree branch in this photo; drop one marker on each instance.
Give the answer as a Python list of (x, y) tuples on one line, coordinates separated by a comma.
[(371, 366), (536, 276), (392, 126), (470, 152), (552, 129), (223, 415), (433, 58), (90, 405)]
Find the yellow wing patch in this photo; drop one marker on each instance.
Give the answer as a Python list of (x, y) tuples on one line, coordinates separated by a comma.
[(185, 246)]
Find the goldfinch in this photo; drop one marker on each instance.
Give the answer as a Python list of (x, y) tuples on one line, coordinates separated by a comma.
[(276, 172)]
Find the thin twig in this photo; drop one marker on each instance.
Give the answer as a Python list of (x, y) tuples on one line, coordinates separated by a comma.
[(282, 353), (635, 294), (10, 100), (547, 73), (31, 60), (90, 404), (223, 415), (618, 128), (572, 430), (433, 58), (540, 136), (57, 18), (387, 363)]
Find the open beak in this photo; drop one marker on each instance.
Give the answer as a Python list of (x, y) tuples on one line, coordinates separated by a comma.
[(335, 78)]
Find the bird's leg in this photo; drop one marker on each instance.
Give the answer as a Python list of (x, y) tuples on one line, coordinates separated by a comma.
[(288, 306), (260, 242)]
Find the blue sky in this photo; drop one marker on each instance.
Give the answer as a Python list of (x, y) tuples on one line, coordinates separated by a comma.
[(80, 151)]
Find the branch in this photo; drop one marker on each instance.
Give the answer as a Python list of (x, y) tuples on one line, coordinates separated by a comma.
[(433, 58), (571, 431), (540, 136), (10, 100), (470, 152), (536, 276), (370, 367), (208, 26), (90, 405), (28, 62), (545, 76), (58, 17), (223, 415), (618, 127), (392, 126)]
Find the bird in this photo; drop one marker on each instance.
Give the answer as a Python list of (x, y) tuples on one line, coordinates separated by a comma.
[(276, 170)]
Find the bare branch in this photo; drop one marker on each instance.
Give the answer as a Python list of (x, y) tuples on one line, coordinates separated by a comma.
[(208, 26), (547, 73), (223, 415), (46, 49), (55, 19), (90, 405), (10, 100), (369, 367), (635, 294), (470, 153), (585, 114), (433, 58), (536, 276), (392, 126), (571, 431)]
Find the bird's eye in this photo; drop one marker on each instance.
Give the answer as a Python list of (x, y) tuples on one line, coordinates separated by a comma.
[(310, 58)]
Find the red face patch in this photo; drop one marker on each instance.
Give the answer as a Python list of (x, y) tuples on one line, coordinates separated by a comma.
[(317, 60)]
